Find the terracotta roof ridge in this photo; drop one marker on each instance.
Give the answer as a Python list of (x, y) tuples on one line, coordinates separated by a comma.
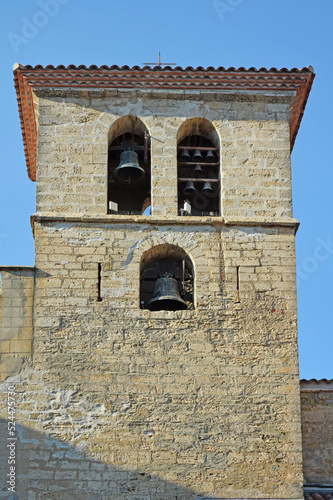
[(241, 69)]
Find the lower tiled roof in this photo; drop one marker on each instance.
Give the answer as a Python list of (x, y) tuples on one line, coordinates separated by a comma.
[(322, 385), (318, 496), (318, 492), (315, 381)]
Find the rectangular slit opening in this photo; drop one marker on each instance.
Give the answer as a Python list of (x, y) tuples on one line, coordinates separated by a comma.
[(99, 298), (237, 284)]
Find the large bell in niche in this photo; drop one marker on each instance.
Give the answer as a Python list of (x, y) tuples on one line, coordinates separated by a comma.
[(129, 173), (166, 295)]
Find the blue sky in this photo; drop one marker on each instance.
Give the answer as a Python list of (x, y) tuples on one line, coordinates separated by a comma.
[(269, 33)]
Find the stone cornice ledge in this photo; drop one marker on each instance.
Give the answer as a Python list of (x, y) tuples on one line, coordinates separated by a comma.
[(259, 221), (288, 222), (17, 268)]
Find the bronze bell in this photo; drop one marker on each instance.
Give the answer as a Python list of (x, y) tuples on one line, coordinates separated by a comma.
[(197, 169), (129, 173), (210, 156), (207, 188), (166, 295), (189, 188), (184, 155), (197, 156)]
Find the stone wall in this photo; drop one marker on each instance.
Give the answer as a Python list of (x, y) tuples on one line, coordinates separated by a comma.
[(204, 400), (317, 431), (16, 308)]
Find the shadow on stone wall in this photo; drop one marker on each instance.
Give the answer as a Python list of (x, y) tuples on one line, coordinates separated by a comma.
[(47, 469)]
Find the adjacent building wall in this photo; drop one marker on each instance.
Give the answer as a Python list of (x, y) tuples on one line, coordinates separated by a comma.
[(16, 311), (317, 431)]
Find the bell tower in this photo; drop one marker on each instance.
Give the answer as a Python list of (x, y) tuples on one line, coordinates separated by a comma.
[(164, 347)]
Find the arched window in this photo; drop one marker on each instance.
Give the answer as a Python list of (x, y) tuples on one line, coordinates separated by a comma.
[(198, 168), (166, 279), (129, 167)]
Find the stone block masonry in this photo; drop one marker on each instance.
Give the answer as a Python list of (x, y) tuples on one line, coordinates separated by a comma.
[(204, 400), (73, 131)]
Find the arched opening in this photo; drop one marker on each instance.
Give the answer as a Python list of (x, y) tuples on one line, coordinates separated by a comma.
[(198, 163), (166, 279), (129, 167)]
